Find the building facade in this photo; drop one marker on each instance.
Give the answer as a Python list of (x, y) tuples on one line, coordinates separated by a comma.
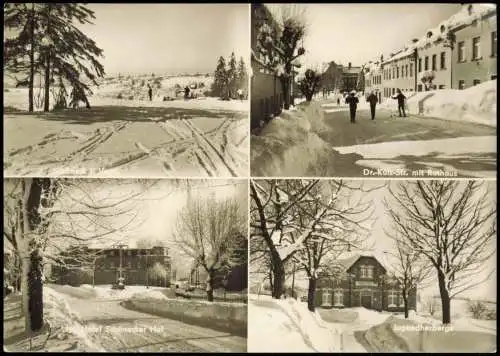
[(104, 266), (398, 72), (352, 78), (474, 56), (267, 94), (373, 79), (362, 281), (434, 58)]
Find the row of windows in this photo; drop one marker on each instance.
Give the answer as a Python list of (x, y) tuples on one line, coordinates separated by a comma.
[(406, 71), (392, 91), (130, 253), (394, 298), (128, 264), (442, 62), (476, 48), (462, 84)]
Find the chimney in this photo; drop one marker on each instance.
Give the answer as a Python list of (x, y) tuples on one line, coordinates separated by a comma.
[(349, 65)]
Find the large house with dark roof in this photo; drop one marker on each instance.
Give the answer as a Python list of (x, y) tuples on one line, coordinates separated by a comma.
[(361, 281)]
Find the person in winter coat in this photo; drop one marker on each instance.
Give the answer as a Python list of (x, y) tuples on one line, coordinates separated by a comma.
[(353, 101), (186, 92), (373, 100), (400, 97), (150, 93)]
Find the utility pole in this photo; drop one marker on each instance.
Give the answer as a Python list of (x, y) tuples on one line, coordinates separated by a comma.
[(121, 246)]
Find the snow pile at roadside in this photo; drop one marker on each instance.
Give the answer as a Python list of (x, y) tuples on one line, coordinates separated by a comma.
[(321, 337), (370, 317), (271, 330), (289, 145), (65, 324), (476, 104)]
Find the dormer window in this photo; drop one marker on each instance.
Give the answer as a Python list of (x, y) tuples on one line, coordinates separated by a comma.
[(429, 34), (442, 28), (366, 271)]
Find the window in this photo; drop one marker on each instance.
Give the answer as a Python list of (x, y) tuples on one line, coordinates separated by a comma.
[(461, 51), (129, 252), (443, 60), (338, 298), (370, 271), (326, 298), (441, 87), (111, 253), (494, 44), (411, 69), (434, 62), (461, 84), (129, 264), (363, 271), (401, 300), (419, 87), (393, 91), (397, 72), (392, 298), (406, 70), (419, 65), (476, 82), (476, 48)]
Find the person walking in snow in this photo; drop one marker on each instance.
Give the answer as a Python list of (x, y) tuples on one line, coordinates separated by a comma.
[(186, 92), (400, 97), (150, 92), (373, 100), (353, 101), (338, 101)]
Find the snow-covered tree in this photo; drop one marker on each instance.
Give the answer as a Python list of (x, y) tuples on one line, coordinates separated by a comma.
[(242, 75), (278, 49), (51, 215), (309, 84), (207, 231), (232, 76), (427, 78), (157, 274), (219, 86), (453, 225), (409, 269)]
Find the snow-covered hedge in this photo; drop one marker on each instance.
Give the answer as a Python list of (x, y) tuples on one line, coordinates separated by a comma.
[(476, 104), (228, 317)]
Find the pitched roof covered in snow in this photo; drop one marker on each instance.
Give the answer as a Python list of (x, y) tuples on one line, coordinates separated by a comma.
[(464, 17), (346, 263)]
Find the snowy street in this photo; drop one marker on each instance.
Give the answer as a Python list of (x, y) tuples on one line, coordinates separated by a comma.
[(413, 143), (109, 325), (129, 138)]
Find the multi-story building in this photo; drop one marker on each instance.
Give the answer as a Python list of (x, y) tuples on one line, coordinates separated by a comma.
[(361, 281), (331, 78), (82, 265), (398, 72), (351, 78), (474, 56), (373, 78)]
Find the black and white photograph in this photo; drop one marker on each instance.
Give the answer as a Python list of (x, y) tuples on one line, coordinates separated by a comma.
[(374, 90), (126, 90), (125, 265), (372, 266)]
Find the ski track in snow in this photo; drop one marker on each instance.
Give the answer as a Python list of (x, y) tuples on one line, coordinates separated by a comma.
[(212, 151)]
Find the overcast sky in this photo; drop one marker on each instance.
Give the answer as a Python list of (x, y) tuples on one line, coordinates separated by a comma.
[(167, 37), (358, 33), (378, 243)]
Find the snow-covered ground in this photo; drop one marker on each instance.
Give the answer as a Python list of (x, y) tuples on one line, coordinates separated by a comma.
[(476, 104), (119, 137), (292, 326), (105, 292), (288, 143), (384, 155)]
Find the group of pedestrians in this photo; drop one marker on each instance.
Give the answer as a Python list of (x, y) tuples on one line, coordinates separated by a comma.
[(372, 99)]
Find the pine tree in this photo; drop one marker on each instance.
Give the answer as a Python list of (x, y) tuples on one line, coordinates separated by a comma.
[(242, 75), (220, 79), (232, 76), (47, 40)]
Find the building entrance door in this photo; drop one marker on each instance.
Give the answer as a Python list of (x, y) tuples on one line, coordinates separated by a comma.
[(366, 301)]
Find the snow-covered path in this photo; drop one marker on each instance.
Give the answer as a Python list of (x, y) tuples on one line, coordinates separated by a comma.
[(270, 330), (119, 329)]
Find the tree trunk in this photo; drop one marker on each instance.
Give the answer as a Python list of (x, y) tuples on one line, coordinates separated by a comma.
[(210, 286), (278, 275), (445, 298), (285, 82), (309, 96), (32, 60), (405, 302), (46, 106), (32, 263), (311, 293)]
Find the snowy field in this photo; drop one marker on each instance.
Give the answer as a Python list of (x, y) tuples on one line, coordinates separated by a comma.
[(119, 137)]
